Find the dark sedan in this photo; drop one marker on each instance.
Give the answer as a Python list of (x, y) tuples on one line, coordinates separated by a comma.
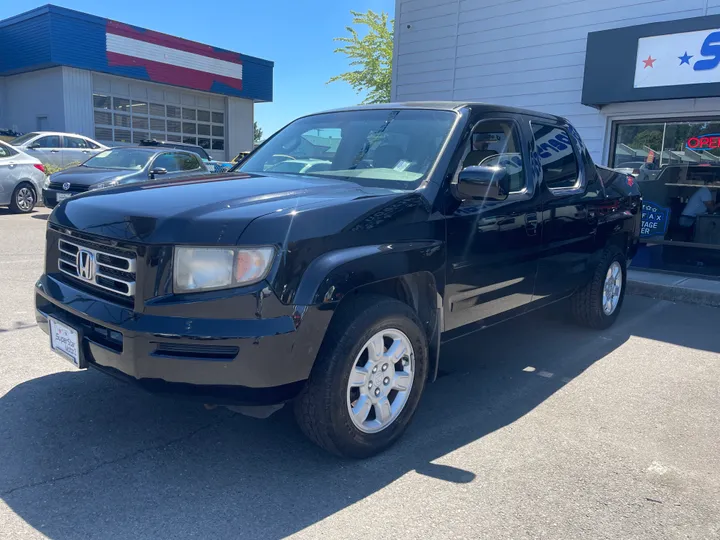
[(120, 166)]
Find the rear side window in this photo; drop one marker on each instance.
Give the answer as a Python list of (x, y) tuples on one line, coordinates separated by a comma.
[(557, 156), (75, 142), (6, 151)]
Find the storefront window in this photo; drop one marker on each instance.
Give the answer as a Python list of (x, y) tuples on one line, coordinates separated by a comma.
[(677, 168)]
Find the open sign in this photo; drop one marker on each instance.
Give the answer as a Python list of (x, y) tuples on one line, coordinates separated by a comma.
[(712, 140)]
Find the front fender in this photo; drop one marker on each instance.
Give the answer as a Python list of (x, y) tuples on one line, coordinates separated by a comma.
[(333, 275)]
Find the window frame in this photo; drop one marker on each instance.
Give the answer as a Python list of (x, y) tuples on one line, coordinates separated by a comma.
[(9, 150), (581, 182), (528, 189)]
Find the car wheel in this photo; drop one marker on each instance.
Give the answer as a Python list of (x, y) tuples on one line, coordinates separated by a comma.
[(598, 303), (367, 379), (23, 199)]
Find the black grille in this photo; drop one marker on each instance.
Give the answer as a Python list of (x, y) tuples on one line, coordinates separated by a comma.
[(74, 188), (111, 269)]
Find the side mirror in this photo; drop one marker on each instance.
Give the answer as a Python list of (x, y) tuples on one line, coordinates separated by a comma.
[(157, 171), (484, 183), (33, 146)]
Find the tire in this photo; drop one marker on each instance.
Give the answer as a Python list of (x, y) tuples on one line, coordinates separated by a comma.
[(587, 303), (322, 409), (23, 199)]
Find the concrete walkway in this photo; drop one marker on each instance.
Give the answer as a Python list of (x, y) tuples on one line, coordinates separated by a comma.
[(674, 287)]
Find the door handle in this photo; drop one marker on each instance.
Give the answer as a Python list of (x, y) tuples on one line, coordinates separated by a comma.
[(54, 151)]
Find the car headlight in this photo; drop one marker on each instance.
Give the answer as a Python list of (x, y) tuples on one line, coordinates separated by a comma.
[(46, 183), (203, 269), (103, 185)]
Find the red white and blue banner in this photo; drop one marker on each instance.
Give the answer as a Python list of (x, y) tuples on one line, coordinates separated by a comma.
[(172, 60)]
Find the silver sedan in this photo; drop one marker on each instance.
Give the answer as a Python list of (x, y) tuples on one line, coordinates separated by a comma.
[(21, 179)]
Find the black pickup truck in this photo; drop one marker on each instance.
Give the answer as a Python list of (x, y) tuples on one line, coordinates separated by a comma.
[(327, 269)]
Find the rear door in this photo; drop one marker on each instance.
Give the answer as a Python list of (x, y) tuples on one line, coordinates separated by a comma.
[(48, 149), (493, 247), (75, 151), (570, 190)]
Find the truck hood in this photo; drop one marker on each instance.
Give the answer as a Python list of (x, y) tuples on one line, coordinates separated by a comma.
[(87, 176), (210, 210)]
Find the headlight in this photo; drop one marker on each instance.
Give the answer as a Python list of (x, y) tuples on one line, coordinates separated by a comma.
[(202, 269), (46, 183), (103, 185)]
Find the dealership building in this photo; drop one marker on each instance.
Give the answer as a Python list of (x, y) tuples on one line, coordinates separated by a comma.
[(62, 70), (639, 80)]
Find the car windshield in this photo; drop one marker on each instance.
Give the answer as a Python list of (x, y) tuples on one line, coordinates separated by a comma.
[(372, 147), (22, 139), (119, 158)]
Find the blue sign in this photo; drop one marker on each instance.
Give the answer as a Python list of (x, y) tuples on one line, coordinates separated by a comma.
[(654, 220)]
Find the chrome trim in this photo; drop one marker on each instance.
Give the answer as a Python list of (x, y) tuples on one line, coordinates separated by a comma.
[(99, 266)]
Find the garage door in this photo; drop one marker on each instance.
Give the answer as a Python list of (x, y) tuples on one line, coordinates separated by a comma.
[(127, 113)]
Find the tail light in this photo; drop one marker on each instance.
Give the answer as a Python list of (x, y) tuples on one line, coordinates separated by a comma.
[(630, 180), (40, 167)]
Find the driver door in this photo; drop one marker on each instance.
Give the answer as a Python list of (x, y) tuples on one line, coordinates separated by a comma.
[(48, 149), (493, 247)]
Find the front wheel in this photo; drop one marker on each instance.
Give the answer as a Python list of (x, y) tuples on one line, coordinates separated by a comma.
[(598, 303), (367, 380), (23, 199)]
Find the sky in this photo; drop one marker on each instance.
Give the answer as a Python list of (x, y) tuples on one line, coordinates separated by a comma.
[(296, 35)]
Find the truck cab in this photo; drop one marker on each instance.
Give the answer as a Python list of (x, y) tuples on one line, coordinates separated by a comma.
[(332, 289)]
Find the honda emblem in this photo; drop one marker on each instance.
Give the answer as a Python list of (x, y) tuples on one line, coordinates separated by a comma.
[(85, 265)]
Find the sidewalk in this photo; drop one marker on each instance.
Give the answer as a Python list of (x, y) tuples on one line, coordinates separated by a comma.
[(674, 287)]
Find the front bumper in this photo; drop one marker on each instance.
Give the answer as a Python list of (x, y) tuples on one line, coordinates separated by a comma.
[(258, 361), (49, 197)]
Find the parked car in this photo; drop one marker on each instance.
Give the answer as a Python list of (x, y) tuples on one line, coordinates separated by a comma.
[(58, 149), (21, 179), (334, 290), (120, 166), (213, 165)]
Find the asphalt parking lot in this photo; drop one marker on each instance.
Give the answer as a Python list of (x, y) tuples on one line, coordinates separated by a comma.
[(536, 429)]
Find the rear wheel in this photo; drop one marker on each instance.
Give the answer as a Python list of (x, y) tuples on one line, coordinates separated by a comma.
[(23, 199), (367, 380), (598, 303)]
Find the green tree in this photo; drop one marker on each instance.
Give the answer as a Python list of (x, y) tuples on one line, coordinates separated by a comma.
[(648, 137), (257, 133), (370, 55)]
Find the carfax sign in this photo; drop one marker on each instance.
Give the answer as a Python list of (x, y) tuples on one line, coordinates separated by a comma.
[(654, 220)]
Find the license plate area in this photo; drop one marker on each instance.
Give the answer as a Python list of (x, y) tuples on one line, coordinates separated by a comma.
[(63, 196), (65, 340)]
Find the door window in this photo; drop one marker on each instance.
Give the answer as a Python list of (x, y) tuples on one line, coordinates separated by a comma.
[(168, 161), (188, 162), (49, 141), (76, 142), (497, 143), (557, 156)]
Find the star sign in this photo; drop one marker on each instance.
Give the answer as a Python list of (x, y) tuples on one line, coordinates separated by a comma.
[(649, 62), (685, 58)]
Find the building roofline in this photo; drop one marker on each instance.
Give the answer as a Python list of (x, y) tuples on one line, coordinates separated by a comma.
[(53, 9)]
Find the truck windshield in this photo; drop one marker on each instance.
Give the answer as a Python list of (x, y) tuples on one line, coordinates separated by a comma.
[(373, 147)]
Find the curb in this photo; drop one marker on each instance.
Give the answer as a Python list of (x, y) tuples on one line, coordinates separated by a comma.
[(674, 288)]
